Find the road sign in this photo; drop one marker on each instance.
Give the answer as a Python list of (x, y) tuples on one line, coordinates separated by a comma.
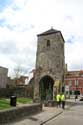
[(66, 87)]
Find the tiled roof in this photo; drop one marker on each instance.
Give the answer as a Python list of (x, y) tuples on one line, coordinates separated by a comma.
[(51, 31)]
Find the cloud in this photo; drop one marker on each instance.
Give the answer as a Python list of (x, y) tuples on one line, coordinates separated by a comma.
[(16, 48), (73, 54), (4, 3), (8, 48), (69, 18), (22, 20), (71, 39)]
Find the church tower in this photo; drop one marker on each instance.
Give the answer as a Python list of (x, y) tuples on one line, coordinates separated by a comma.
[(49, 65)]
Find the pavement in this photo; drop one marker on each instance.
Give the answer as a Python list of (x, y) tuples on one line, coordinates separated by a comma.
[(47, 114)]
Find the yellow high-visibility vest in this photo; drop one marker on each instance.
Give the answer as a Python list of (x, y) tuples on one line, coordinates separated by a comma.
[(62, 98), (58, 98)]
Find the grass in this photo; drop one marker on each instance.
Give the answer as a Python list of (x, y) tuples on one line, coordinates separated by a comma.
[(24, 100), (5, 103)]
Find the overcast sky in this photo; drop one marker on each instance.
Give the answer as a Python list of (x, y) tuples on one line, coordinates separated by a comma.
[(22, 20)]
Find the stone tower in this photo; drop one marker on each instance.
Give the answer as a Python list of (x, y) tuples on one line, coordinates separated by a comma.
[(49, 65)]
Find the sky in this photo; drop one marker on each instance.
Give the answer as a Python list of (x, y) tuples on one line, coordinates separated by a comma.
[(22, 20)]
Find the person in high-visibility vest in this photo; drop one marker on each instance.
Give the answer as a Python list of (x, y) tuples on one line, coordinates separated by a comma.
[(58, 100), (63, 101)]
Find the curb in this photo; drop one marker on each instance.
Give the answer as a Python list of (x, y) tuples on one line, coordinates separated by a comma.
[(40, 119), (51, 118), (70, 105)]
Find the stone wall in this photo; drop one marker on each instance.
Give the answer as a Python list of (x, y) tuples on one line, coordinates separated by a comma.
[(18, 113), (49, 59)]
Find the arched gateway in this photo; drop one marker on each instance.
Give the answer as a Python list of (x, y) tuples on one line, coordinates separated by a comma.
[(49, 64), (46, 88)]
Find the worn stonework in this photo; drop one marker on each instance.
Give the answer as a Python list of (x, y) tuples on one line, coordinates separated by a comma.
[(49, 59), (8, 116)]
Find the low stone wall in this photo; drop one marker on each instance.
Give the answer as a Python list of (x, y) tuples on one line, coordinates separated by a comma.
[(50, 103), (17, 113), (71, 103)]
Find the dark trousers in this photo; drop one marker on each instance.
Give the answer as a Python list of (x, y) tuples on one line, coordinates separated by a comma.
[(63, 104), (59, 104)]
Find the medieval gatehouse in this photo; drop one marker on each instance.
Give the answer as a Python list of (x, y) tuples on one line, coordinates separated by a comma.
[(49, 76)]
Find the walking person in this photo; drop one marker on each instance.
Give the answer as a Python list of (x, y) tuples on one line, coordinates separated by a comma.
[(58, 100), (63, 101), (75, 97)]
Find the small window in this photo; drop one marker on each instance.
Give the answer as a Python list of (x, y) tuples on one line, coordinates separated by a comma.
[(48, 43), (76, 82)]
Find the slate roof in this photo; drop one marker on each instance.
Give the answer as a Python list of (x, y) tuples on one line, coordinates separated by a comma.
[(51, 31)]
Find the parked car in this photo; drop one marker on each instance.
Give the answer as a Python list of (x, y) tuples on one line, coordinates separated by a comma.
[(81, 97)]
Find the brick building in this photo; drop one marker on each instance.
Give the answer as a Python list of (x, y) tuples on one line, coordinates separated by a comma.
[(3, 77), (22, 81), (74, 82)]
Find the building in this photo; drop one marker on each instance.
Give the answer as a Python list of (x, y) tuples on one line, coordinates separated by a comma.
[(3, 77), (74, 82), (49, 64), (21, 81)]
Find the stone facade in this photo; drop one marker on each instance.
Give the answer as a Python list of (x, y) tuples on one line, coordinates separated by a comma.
[(11, 115), (3, 77), (49, 60)]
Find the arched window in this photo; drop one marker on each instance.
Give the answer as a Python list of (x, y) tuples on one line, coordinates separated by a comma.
[(48, 43)]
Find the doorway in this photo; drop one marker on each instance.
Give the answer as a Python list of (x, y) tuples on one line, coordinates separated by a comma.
[(46, 88)]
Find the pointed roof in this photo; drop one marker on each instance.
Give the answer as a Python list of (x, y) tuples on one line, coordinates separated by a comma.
[(51, 31)]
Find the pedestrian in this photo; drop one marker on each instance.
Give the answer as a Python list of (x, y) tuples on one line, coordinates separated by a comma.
[(76, 97), (63, 101), (58, 100)]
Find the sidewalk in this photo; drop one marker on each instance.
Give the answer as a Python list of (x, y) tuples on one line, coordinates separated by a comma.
[(47, 114)]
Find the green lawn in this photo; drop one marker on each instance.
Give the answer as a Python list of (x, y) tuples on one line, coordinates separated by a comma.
[(24, 100), (5, 103)]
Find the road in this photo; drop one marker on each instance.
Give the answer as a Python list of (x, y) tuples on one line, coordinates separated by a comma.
[(73, 116)]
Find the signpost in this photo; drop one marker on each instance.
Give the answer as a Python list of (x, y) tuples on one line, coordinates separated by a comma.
[(67, 90)]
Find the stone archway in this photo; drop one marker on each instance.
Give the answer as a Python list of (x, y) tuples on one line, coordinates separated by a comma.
[(46, 88)]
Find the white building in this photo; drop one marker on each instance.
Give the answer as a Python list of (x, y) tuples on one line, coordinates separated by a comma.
[(3, 77)]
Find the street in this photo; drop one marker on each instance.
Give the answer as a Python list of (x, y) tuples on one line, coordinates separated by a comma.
[(73, 116)]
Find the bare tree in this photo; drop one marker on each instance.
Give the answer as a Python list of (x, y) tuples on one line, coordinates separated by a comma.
[(18, 71)]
